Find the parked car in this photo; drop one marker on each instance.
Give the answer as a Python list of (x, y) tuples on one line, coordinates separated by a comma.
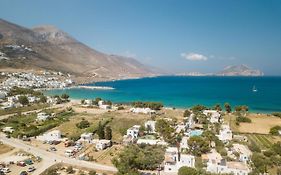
[(22, 164), (28, 162), (5, 170), (31, 169), (23, 173), (53, 149)]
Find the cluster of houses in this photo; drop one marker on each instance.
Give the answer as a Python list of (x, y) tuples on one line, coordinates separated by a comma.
[(177, 157), (101, 104), (31, 80), (55, 136), (13, 101)]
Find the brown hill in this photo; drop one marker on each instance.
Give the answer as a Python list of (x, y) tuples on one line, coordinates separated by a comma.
[(46, 47)]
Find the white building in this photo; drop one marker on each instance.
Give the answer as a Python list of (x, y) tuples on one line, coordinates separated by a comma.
[(150, 126), (133, 131), (103, 144), (215, 164), (244, 152), (102, 105), (42, 116), (151, 142), (51, 136), (213, 115), (225, 133), (8, 129), (184, 143), (174, 161), (86, 137), (142, 110), (8, 105), (190, 123), (180, 128), (3, 94)]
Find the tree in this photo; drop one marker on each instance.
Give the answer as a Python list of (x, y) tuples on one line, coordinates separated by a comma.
[(108, 133), (23, 100), (142, 130), (241, 119), (92, 172), (65, 97), (186, 113), (134, 158), (100, 131), (83, 124), (187, 171), (275, 130), (198, 108), (198, 145), (227, 107), (218, 107), (164, 128), (260, 162), (70, 170), (83, 101), (242, 108), (43, 99), (276, 147)]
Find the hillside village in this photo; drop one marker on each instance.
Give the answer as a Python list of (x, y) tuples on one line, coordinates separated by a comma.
[(198, 139)]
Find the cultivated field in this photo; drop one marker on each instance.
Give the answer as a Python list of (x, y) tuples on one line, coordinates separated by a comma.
[(263, 141)]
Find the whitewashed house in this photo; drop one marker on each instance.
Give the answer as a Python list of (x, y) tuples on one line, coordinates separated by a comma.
[(243, 151), (51, 136), (8, 105), (86, 137), (180, 128), (225, 134), (152, 142), (214, 116), (174, 161), (8, 129), (142, 110), (133, 131), (216, 164), (150, 126), (190, 122), (184, 143), (103, 144), (102, 105), (42, 116)]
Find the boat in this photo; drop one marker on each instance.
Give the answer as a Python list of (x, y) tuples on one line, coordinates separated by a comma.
[(255, 89)]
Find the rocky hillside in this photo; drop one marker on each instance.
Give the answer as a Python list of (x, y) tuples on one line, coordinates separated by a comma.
[(240, 70), (46, 47)]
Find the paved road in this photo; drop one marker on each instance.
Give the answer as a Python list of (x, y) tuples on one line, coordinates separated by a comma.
[(50, 158)]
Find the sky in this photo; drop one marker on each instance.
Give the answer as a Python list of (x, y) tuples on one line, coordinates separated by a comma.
[(174, 35)]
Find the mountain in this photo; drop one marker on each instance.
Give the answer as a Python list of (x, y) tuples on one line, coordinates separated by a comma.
[(48, 48), (240, 70)]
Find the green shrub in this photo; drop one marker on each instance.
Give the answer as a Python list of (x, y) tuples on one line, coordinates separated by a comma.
[(241, 119)]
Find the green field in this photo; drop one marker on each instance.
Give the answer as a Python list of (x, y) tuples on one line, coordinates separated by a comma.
[(262, 141)]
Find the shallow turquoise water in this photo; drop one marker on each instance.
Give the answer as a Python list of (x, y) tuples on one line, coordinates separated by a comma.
[(188, 91)]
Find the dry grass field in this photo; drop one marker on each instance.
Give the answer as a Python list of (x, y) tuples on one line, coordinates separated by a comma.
[(5, 148), (261, 123)]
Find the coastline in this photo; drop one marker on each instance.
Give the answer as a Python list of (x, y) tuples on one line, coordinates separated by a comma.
[(161, 91)]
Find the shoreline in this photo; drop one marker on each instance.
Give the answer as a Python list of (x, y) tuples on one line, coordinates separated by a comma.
[(78, 87)]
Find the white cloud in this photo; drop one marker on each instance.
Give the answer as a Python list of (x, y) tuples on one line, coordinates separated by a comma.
[(130, 54), (194, 56)]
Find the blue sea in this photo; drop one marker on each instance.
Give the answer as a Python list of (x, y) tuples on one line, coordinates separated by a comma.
[(183, 92)]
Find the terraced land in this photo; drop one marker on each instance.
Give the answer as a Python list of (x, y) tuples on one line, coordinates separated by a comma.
[(263, 141)]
